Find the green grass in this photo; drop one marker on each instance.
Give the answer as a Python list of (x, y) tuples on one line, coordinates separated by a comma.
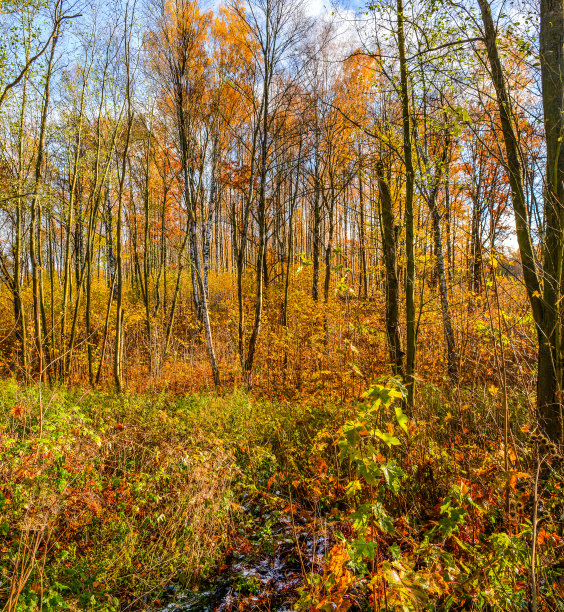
[(107, 499)]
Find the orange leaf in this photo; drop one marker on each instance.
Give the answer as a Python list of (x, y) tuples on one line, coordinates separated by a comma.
[(16, 411)]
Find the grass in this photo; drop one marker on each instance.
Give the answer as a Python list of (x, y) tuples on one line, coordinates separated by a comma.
[(108, 500)]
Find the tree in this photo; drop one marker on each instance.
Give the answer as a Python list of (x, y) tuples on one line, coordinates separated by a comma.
[(275, 28), (180, 56), (545, 307)]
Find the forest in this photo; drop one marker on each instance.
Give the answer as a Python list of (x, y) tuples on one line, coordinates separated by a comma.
[(281, 305)]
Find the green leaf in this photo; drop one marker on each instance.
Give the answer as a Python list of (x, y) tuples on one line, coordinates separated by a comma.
[(353, 487), (352, 431), (361, 517), (387, 524), (401, 418), (363, 549), (393, 475), (450, 523), (395, 551), (369, 470), (389, 439), (385, 521), (379, 394)]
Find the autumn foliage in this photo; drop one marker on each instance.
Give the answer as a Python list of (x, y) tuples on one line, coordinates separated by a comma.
[(281, 307)]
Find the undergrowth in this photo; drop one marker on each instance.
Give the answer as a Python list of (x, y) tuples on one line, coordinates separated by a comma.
[(106, 499), (110, 501)]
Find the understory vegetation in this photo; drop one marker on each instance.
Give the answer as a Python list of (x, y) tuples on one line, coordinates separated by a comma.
[(115, 502)]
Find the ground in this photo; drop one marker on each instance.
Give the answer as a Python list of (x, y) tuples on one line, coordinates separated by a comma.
[(227, 502)]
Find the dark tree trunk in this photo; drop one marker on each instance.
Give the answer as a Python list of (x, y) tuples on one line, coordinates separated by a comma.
[(389, 246)]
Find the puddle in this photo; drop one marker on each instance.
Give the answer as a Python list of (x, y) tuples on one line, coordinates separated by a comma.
[(264, 573)]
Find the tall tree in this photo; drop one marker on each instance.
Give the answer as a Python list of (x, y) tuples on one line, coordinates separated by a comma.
[(545, 307), (180, 56)]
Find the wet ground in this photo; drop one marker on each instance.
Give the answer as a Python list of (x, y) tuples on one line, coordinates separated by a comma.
[(264, 572)]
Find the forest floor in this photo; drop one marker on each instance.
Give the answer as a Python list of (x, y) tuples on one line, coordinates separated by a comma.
[(225, 502)]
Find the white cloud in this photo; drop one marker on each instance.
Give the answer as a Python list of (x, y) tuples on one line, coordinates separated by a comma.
[(313, 8)]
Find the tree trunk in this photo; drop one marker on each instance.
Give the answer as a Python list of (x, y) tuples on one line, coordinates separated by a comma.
[(452, 357), (316, 234), (552, 68), (329, 246), (545, 309), (389, 246), (36, 215), (409, 216), (19, 308), (475, 284), (361, 233)]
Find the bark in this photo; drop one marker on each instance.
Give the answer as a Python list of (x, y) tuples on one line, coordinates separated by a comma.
[(361, 232), (118, 348), (512, 164), (293, 203), (35, 220), (550, 359), (19, 307), (261, 215), (389, 246), (329, 245), (110, 255), (170, 323), (70, 223), (146, 255), (178, 47), (409, 215), (452, 356), (545, 309), (476, 261), (316, 235)]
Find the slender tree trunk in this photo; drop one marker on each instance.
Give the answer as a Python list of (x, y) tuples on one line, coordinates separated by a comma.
[(46, 332), (118, 351), (19, 307), (409, 215), (316, 237), (448, 221), (88, 307), (170, 324), (329, 246), (476, 248), (146, 257), (36, 215), (110, 254), (208, 229), (261, 214), (68, 252), (361, 231), (452, 356), (197, 277), (239, 239), (290, 242), (389, 246)]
